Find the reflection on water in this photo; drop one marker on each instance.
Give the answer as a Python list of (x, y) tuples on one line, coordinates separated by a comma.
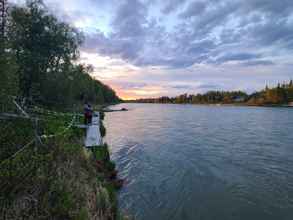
[(204, 162)]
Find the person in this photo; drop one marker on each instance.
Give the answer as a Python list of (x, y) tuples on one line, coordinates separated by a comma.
[(88, 113)]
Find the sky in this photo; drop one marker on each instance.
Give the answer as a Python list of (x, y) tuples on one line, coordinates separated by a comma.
[(152, 48)]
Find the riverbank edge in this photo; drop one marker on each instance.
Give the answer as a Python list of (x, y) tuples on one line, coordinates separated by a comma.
[(73, 182), (216, 104), (107, 167)]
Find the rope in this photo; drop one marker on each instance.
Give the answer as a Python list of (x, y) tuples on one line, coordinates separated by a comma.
[(60, 133), (42, 136), (45, 111), (21, 109), (17, 152), (27, 116)]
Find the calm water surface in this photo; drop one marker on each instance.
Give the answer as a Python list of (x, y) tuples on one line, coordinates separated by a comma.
[(204, 162)]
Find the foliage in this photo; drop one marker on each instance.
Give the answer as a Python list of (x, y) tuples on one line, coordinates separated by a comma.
[(211, 97), (54, 177), (56, 180), (282, 94), (14, 133), (101, 153), (39, 57), (82, 215)]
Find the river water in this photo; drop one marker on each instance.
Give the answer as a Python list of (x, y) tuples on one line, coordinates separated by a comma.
[(203, 162)]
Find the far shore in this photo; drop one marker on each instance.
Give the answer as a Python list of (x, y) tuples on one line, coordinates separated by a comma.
[(215, 104)]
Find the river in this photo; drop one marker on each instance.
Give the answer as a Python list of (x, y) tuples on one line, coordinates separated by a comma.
[(203, 162)]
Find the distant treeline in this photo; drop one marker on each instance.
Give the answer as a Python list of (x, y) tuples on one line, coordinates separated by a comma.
[(282, 94), (38, 59)]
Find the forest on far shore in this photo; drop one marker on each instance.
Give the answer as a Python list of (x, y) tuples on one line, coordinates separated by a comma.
[(39, 60), (282, 94)]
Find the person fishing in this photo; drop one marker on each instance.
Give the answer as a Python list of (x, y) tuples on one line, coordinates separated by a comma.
[(88, 113)]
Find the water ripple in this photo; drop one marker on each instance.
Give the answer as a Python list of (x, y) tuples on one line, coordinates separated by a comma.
[(203, 162)]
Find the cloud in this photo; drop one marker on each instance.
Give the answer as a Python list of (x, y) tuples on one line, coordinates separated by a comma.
[(182, 87), (184, 44), (133, 85), (204, 31), (237, 57), (193, 87), (278, 32), (172, 5), (207, 87), (196, 8), (277, 8), (258, 63)]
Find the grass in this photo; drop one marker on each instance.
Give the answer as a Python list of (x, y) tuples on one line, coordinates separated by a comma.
[(14, 133), (101, 153), (58, 179)]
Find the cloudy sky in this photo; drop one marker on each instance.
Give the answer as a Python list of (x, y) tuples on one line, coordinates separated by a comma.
[(150, 48)]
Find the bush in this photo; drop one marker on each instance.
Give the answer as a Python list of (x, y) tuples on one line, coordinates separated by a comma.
[(101, 153)]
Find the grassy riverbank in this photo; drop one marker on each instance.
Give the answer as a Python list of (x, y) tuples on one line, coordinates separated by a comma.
[(55, 177)]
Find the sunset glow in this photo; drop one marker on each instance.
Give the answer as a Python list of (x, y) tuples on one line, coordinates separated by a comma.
[(146, 48)]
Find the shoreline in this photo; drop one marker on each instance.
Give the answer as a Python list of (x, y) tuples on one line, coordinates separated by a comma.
[(214, 104)]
